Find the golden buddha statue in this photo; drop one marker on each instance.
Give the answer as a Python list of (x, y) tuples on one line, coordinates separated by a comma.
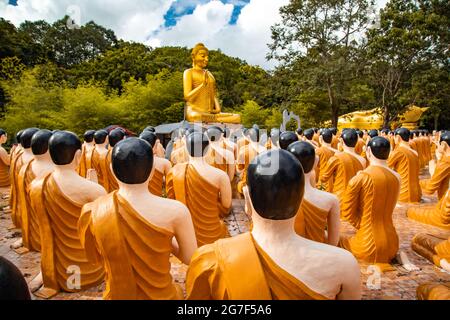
[(200, 91)]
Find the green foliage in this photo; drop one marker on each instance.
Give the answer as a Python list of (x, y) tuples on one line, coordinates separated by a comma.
[(252, 113), (274, 119)]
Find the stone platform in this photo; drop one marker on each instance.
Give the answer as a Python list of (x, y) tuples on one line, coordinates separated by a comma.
[(396, 284)]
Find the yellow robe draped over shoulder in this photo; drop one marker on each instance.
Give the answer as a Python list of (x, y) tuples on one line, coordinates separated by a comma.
[(135, 252), (434, 291), (436, 215), (202, 198), (30, 224), (98, 166), (16, 165), (110, 180), (440, 180), (249, 153), (406, 163), (61, 245), (368, 204), (359, 148), (311, 222), (4, 175), (155, 185), (216, 160), (238, 269), (324, 155), (431, 247), (341, 168), (85, 161)]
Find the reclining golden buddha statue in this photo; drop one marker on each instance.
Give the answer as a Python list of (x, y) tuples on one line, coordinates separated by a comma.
[(199, 87)]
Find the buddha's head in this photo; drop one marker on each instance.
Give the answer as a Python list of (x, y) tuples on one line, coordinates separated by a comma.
[(214, 134), (132, 161), (18, 135), (334, 131), (309, 134), (13, 285), (373, 133), (299, 131), (326, 136), (100, 136), (150, 128), (378, 147), (276, 195), (253, 134), (196, 144), (150, 137), (89, 136), (3, 136), (384, 132), (275, 136), (350, 137), (65, 148), (200, 56), (305, 153), (360, 133), (286, 138), (115, 136), (402, 134), (26, 136), (39, 142)]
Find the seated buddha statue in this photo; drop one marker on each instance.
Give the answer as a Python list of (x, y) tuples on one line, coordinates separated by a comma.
[(86, 153), (39, 166), (343, 165), (368, 204), (134, 232), (4, 161), (13, 285), (405, 161), (161, 166), (318, 218), (441, 174), (99, 153), (324, 152), (218, 156), (199, 87), (272, 261), (205, 190), (24, 156), (114, 137), (57, 199)]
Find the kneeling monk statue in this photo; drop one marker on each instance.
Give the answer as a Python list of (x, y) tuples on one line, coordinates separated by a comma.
[(134, 232), (200, 91), (272, 262)]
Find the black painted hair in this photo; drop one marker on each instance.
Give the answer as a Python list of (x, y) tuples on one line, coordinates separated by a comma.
[(373, 133), (63, 146), (305, 153), (350, 137), (150, 137), (275, 135), (403, 133), (299, 131), (327, 135), (25, 137), (214, 134), (100, 136), (39, 142), (13, 285), (151, 129), (196, 144), (380, 147), (18, 135), (89, 136), (309, 134), (253, 134), (286, 138), (115, 136), (2, 132)]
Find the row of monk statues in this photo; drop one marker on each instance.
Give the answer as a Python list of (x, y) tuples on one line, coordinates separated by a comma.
[(122, 209)]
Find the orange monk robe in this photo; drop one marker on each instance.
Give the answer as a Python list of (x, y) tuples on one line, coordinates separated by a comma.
[(135, 252), (98, 166), (4, 175), (433, 291), (406, 163), (438, 215), (61, 245), (29, 221), (110, 180), (324, 155), (247, 153), (232, 147), (155, 185), (341, 168), (311, 222), (202, 198), (16, 164), (242, 142), (160, 151), (217, 160), (440, 180), (180, 155), (359, 148), (316, 139), (432, 248), (335, 142), (85, 161), (392, 142), (238, 269), (368, 204)]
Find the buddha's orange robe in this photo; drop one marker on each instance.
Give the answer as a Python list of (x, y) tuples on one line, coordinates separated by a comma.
[(316, 139), (341, 168), (311, 222), (180, 155), (135, 252), (335, 142), (155, 185), (406, 163), (238, 269), (249, 154), (61, 245), (30, 224), (440, 180), (217, 160), (85, 161), (4, 175), (432, 248), (438, 215), (111, 182), (16, 164), (359, 146), (368, 204), (202, 198), (324, 155), (231, 147), (392, 142), (98, 166), (434, 291)]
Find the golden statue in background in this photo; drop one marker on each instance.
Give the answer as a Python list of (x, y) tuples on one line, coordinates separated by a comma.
[(200, 91)]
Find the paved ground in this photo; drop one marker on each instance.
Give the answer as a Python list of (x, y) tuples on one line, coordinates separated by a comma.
[(397, 284)]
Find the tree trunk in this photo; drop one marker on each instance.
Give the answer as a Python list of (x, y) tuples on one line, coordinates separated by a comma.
[(436, 121), (334, 108), (386, 120)]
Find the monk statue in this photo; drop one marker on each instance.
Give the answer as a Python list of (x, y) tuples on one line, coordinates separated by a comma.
[(134, 232), (287, 138), (274, 139), (308, 135), (158, 149), (228, 144), (272, 261), (360, 145), (218, 156), (99, 153), (39, 166), (179, 153), (434, 291), (57, 199), (405, 161), (318, 218), (299, 133), (161, 166), (13, 285), (343, 165), (86, 153), (4, 161), (368, 204), (199, 87), (205, 190), (14, 155), (441, 175), (324, 152), (23, 156), (114, 137), (335, 140)]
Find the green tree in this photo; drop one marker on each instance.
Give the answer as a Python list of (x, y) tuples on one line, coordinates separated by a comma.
[(252, 113)]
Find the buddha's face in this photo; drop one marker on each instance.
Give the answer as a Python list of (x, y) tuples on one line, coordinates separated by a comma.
[(201, 59)]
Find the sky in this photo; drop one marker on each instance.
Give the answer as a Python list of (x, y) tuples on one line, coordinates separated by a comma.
[(240, 28)]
